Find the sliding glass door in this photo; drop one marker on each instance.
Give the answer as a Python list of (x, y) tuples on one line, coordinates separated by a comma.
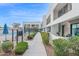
[(75, 29)]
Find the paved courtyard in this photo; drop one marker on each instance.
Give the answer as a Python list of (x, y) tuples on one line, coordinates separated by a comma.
[(36, 47)]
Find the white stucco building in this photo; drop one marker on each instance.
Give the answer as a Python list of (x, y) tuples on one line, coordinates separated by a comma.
[(62, 19), (31, 26)]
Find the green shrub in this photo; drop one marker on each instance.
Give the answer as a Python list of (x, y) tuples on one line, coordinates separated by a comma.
[(45, 37), (7, 46), (74, 44), (21, 48), (66, 47), (31, 36), (60, 47), (74, 39)]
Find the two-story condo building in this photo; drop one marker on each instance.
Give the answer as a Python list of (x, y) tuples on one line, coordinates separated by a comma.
[(62, 19)]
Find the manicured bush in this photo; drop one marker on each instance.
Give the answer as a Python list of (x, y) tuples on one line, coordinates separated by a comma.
[(74, 44), (66, 47), (60, 46), (45, 37), (7, 46), (21, 48)]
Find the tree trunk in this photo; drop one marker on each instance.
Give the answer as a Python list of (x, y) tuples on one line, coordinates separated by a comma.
[(12, 38), (5, 36), (22, 37), (12, 35)]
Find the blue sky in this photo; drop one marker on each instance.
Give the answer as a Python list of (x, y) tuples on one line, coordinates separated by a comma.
[(22, 12)]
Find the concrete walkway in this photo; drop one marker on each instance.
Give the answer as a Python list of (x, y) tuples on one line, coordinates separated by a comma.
[(36, 47)]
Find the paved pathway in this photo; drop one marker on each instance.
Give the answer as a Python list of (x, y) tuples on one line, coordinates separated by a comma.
[(36, 47)]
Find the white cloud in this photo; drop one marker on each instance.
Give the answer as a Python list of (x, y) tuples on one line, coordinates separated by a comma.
[(17, 13), (21, 13)]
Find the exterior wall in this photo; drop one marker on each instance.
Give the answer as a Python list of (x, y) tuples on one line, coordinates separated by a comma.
[(66, 28), (74, 13), (33, 23), (54, 29), (66, 19), (45, 17), (32, 26), (71, 15), (44, 21)]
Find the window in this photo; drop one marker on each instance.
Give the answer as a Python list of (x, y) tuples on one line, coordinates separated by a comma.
[(75, 29), (36, 26), (65, 9), (59, 27), (32, 25), (28, 25), (49, 29), (48, 19)]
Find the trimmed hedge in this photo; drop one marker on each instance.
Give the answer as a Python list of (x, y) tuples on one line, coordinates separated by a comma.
[(7, 46), (45, 37), (21, 48), (63, 47)]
